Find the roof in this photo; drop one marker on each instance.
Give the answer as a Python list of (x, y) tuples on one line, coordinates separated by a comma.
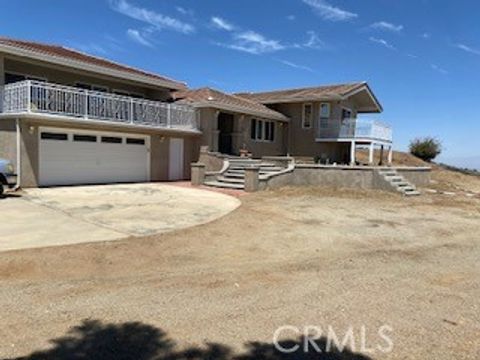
[(207, 97), (325, 92), (69, 57)]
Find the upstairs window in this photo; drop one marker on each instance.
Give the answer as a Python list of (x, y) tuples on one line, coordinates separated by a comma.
[(324, 115), (262, 130), (307, 116), (346, 113)]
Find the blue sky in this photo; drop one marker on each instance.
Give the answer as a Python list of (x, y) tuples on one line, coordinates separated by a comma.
[(421, 57)]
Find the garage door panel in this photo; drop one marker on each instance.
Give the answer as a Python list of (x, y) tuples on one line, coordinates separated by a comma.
[(68, 162)]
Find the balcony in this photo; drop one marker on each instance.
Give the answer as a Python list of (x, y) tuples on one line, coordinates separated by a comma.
[(353, 129), (33, 97)]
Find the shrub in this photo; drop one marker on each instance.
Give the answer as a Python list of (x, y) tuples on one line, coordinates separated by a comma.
[(426, 149)]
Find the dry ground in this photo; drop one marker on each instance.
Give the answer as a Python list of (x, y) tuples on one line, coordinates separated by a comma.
[(295, 256)]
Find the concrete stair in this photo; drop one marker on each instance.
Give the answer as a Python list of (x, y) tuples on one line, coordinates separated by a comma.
[(398, 182), (234, 176)]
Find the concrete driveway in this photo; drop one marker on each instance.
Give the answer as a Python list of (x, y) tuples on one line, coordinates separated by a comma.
[(70, 215)]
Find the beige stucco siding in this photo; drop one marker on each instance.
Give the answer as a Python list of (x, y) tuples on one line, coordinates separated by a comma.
[(69, 77), (261, 148), (302, 141), (241, 134)]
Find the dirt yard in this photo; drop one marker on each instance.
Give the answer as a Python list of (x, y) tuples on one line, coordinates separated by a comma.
[(300, 257)]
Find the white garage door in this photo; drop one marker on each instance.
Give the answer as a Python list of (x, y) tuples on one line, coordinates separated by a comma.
[(68, 157)]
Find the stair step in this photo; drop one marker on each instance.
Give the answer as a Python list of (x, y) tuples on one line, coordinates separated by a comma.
[(234, 175), (412, 193), (232, 180), (224, 185)]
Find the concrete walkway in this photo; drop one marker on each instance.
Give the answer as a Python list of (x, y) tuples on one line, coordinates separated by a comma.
[(71, 215)]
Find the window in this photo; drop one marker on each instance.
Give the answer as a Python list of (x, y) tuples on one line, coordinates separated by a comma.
[(324, 115), (133, 141), (85, 138), (111, 140), (86, 86), (14, 77), (262, 130), (307, 116), (346, 114), (53, 136), (253, 129)]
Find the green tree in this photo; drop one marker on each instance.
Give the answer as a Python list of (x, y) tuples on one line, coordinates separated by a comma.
[(427, 148)]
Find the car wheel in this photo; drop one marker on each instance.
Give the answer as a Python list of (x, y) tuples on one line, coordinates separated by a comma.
[(2, 189)]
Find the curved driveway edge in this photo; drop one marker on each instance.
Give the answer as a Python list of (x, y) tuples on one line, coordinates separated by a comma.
[(72, 215)]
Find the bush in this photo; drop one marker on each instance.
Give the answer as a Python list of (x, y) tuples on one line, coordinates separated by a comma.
[(426, 149)]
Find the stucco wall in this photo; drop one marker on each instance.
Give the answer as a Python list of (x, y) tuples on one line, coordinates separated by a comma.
[(8, 142), (342, 177), (302, 141), (241, 134), (260, 148)]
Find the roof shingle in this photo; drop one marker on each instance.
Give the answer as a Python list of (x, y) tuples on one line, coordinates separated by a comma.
[(207, 97), (74, 55), (325, 92)]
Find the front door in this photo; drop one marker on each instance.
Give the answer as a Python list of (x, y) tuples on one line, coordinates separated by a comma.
[(175, 164), (225, 127)]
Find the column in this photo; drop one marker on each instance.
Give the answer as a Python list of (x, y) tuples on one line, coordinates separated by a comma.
[(370, 154), (215, 132), (197, 174), (252, 178), (381, 155), (352, 153), (390, 155), (2, 70), (2, 80)]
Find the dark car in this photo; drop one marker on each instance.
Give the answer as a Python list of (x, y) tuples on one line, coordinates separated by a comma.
[(8, 178)]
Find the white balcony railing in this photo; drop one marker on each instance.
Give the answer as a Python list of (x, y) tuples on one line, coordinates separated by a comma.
[(353, 129), (46, 98)]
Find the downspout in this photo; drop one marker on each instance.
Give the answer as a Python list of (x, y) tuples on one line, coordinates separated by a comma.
[(19, 154)]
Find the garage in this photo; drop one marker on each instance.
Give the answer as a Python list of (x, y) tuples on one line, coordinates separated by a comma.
[(72, 156)]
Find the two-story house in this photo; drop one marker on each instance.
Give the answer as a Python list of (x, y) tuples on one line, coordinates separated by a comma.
[(71, 118)]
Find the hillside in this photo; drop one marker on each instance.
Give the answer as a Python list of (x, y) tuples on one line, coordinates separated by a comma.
[(443, 178)]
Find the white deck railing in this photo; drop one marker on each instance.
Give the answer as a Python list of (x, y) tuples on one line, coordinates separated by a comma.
[(353, 129), (46, 98)]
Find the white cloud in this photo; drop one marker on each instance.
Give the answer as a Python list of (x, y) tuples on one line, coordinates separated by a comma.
[(254, 43), (467, 49), (383, 25), (184, 11), (439, 69), (291, 17), (330, 12), (136, 36), (296, 66), (382, 42), (222, 24), (154, 19), (426, 36), (313, 41)]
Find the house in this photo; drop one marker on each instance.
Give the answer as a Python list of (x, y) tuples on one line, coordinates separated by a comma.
[(231, 123), (323, 120), (71, 118)]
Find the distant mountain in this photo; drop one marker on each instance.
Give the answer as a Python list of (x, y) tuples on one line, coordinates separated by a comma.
[(469, 162)]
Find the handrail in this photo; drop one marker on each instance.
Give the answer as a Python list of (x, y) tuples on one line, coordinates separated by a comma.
[(353, 129), (48, 98)]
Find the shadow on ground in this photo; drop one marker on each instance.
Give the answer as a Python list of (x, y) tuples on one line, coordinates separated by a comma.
[(92, 340)]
